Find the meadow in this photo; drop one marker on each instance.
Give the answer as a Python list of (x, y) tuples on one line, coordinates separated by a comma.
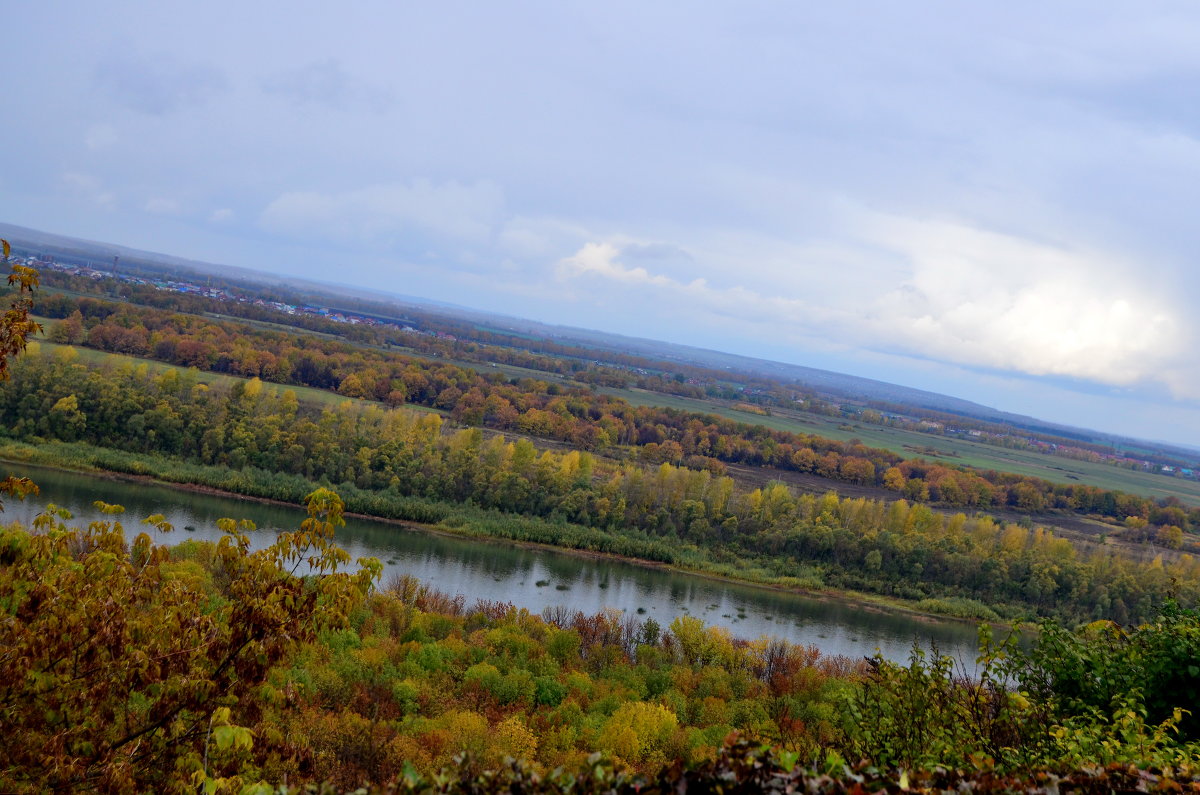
[(913, 444)]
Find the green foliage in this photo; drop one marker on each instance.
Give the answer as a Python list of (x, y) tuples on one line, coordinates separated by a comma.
[(1123, 737), (548, 691), (1152, 669), (959, 607), (927, 714), (1099, 695)]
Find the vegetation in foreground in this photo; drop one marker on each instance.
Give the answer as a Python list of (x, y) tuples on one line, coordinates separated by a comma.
[(135, 666)]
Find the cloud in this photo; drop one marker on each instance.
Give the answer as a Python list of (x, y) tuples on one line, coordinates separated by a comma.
[(327, 83), (979, 297), (157, 84), (600, 259), (972, 297), (387, 214), (540, 237), (598, 262), (221, 215)]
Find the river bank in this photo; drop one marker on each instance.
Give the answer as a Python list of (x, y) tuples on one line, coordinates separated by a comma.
[(45, 456), (27, 455)]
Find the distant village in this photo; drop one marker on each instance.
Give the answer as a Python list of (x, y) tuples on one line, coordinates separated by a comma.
[(222, 294)]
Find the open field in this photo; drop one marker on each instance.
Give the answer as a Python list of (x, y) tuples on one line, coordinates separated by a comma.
[(509, 370), (266, 325), (952, 450)]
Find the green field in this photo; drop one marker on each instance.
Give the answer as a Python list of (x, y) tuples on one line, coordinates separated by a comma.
[(267, 325), (912, 444), (509, 370)]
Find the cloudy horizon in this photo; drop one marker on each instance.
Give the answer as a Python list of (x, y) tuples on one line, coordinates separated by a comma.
[(988, 201)]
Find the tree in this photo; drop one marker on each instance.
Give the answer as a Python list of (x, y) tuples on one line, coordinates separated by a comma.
[(123, 676), (66, 420), (15, 330), (70, 331), (15, 326)]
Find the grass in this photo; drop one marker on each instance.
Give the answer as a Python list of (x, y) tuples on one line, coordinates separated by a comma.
[(912, 444), (267, 325), (509, 370)]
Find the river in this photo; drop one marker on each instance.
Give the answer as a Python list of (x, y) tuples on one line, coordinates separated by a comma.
[(529, 577)]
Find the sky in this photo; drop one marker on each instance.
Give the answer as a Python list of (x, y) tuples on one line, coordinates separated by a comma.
[(992, 200)]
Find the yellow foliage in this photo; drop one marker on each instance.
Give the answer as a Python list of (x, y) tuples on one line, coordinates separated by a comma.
[(67, 354), (638, 732), (468, 732), (513, 738), (189, 573)]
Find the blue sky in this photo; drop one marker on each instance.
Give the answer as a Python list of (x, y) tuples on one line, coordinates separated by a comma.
[(991, 200)]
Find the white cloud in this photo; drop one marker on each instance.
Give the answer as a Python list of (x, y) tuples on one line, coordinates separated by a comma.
[(601, 259), (220, 215), (539, 237), (383, 214), (968, 296), (978, 297)]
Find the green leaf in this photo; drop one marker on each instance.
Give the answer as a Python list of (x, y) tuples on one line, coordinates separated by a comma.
[(224, 737)]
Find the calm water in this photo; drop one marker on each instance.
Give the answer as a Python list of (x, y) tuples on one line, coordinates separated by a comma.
[(530, 578)]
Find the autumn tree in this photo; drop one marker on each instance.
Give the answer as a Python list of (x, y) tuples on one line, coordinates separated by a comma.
[(16, 328), (124, 673)]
